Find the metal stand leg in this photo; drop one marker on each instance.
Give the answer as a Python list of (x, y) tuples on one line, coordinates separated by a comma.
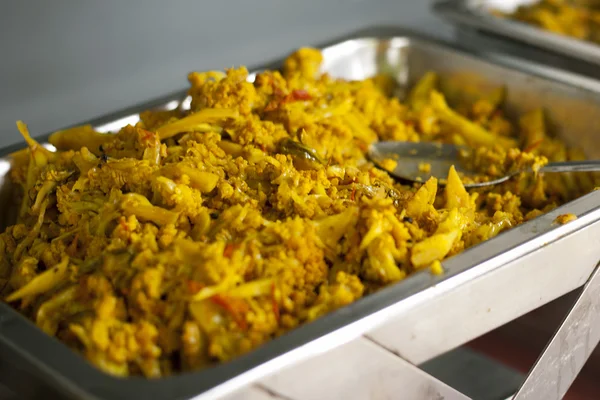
[(568, 350)]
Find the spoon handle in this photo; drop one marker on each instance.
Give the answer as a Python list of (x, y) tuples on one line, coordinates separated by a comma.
[(572, 166)]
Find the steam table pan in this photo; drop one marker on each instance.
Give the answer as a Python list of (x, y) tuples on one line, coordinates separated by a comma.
[(370, 348), (477, 27)]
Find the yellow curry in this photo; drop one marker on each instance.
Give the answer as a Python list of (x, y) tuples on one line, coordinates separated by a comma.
[(576, 18), (197, 235)]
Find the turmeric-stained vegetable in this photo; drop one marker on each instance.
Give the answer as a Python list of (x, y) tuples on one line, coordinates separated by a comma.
[(533, 130), (252, 289), (135, 204), (201, 180), (423, 199), (360, 129), (39, 159), (304, 157), (42, 283), (305, 62), (455, 192), (332, 228), (419, 96), (79, 136), (198, 121), (433, 248), (486, 106), (473, 133)]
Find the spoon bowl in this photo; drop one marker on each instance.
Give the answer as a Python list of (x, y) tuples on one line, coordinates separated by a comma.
[(419, 161)]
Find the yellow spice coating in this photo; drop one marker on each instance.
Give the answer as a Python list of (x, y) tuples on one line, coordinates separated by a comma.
[(436, 268), (425, 167), (198, 235), (565, 218)]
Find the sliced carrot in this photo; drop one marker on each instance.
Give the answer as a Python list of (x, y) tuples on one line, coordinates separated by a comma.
[(274, 302), (533, 146), (194, 287), (236, 308), (300, 94), (229, 249)]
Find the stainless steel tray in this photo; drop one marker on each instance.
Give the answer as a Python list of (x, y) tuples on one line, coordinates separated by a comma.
[(418, 318), (476, 14)]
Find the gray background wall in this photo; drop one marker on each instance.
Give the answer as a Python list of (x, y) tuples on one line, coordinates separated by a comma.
[(62, 62)]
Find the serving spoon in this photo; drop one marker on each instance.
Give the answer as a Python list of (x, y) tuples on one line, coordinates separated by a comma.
[(419, 161)]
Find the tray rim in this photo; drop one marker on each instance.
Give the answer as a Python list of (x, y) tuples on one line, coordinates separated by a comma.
[(77, 377), (465, 12)]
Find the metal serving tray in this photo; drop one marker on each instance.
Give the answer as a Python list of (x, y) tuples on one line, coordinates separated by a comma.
[(476, 14), (420, 317)]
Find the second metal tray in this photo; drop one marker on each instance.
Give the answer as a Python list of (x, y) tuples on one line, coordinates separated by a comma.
[(418, 318), (475, 14)]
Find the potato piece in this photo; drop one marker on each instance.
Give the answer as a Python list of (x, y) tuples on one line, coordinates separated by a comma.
[(423, 199), (455, 192), (201, 180), (433, 248)]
